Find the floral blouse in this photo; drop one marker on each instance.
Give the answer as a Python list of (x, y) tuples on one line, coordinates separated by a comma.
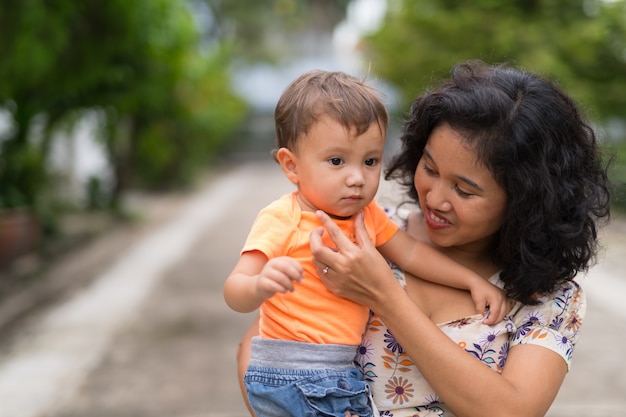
[(400, 390)]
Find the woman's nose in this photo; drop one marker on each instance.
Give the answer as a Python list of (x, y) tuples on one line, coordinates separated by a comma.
[(437, 198)]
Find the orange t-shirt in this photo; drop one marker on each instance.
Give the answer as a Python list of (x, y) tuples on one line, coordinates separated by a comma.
[(311, 313)]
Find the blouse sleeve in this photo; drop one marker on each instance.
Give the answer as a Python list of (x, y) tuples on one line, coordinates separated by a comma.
[(554, 322)]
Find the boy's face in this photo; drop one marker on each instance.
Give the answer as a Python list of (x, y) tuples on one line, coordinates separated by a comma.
[(336, 171)]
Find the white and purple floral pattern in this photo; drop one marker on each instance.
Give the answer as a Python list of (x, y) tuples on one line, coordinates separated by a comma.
[(400, 390)]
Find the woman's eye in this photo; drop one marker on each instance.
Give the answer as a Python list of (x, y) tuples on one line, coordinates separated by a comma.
[(371, 162), (428, 169), (335, 161), (461, 192)]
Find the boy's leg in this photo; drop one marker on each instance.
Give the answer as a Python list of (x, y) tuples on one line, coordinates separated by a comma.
[(243, 357)]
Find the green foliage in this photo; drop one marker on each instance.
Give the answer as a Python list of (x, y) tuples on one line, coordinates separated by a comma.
[(165, 99), (617, 174), (579, 42), (21, 173), (203, 114)]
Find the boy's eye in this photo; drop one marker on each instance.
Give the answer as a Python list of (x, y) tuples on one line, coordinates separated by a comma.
[(371, 162), (335, 161)]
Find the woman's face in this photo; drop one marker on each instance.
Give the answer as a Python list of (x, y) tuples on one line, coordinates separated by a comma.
[(463, 206)]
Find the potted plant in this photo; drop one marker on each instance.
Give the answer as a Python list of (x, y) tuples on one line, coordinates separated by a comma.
[(22, 180)]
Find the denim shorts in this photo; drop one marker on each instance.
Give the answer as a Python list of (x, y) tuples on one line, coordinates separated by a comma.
[(287, 378)]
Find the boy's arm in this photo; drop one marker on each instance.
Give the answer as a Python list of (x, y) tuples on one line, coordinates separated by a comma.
[(255, 279), (424, 261)]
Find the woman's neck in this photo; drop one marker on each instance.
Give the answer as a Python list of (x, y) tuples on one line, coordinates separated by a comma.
[(478, 261)]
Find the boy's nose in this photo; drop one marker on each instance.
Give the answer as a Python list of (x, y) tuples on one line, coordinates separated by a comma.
[(355, 178)]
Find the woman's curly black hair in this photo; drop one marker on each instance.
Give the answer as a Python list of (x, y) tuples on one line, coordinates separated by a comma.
[(540, 149)]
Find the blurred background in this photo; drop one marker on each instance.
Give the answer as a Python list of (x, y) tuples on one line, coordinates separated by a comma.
[(106, 104), (100, 100)]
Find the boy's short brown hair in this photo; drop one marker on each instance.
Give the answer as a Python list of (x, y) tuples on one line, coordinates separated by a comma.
[(343, 97)]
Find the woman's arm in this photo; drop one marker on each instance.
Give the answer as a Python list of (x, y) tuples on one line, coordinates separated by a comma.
[(422, 260), (529, 381), (527, 386)]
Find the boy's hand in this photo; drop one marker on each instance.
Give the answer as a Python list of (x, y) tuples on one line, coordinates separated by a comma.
[(490, 301), (277, 276)]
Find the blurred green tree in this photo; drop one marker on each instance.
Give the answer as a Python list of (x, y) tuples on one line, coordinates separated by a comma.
[(165, 95), (581, 43)]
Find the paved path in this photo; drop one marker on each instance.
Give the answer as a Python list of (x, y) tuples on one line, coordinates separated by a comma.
[(151, 336)]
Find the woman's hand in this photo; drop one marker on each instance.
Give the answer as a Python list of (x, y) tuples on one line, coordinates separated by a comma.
[(355, 271)]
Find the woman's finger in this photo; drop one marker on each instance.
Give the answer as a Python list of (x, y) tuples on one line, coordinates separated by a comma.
[(362, 238), (338, 237), (322, 255), (319, 266)]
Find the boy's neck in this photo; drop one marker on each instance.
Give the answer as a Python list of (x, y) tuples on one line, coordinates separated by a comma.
[(302, 207), (332, 216)]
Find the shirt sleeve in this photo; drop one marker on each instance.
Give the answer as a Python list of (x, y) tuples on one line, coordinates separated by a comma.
[(271, 231), (384, 227), (554, 323)]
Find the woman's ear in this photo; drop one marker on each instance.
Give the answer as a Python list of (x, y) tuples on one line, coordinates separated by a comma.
[(289, 163)]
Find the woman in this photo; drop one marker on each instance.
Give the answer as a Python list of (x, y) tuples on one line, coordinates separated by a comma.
[(510, 182)]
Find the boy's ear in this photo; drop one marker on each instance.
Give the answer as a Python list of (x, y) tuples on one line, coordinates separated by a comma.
[(289, 163)]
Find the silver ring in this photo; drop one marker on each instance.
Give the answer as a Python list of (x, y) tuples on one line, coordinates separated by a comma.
[(325, 270)]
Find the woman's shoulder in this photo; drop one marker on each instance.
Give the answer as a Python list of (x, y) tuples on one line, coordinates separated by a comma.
[(567, 300), (554, 321)]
